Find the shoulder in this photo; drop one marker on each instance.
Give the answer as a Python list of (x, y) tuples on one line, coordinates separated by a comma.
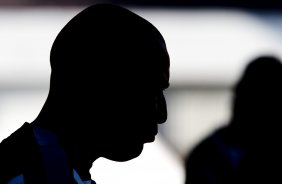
[(14, 151), (210, 143), (17, 141), (216, 152), (210, 150)]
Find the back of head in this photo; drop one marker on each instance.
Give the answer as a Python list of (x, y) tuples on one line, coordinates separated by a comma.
[(262, 74), (258, 94)]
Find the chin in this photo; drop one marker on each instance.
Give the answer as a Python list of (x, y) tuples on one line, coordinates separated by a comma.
[(125, 154)]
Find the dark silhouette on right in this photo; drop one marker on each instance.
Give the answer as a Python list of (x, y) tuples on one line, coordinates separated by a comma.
[(248, 149)]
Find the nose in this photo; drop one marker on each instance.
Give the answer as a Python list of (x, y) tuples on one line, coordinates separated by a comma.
[(160, 108)]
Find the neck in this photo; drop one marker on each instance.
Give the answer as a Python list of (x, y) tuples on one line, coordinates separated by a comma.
[(81, 154)]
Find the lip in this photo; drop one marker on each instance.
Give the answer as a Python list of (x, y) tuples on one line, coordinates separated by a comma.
[(150, 137)]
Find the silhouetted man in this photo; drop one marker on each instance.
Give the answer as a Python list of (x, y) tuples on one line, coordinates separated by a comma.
[(248, 149), (109, 70)]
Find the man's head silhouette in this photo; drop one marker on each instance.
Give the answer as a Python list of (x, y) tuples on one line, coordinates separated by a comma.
[(109, 70)]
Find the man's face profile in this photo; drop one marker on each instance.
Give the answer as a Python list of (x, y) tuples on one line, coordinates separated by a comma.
[(126, 111), (143, 108)]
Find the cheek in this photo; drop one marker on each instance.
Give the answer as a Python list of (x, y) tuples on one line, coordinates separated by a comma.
[(126, 133)]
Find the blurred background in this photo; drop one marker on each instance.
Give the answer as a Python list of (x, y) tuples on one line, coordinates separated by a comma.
[(209, 42)]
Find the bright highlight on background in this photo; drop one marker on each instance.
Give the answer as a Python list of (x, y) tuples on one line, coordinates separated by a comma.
[(211, 47), (208, 48)]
